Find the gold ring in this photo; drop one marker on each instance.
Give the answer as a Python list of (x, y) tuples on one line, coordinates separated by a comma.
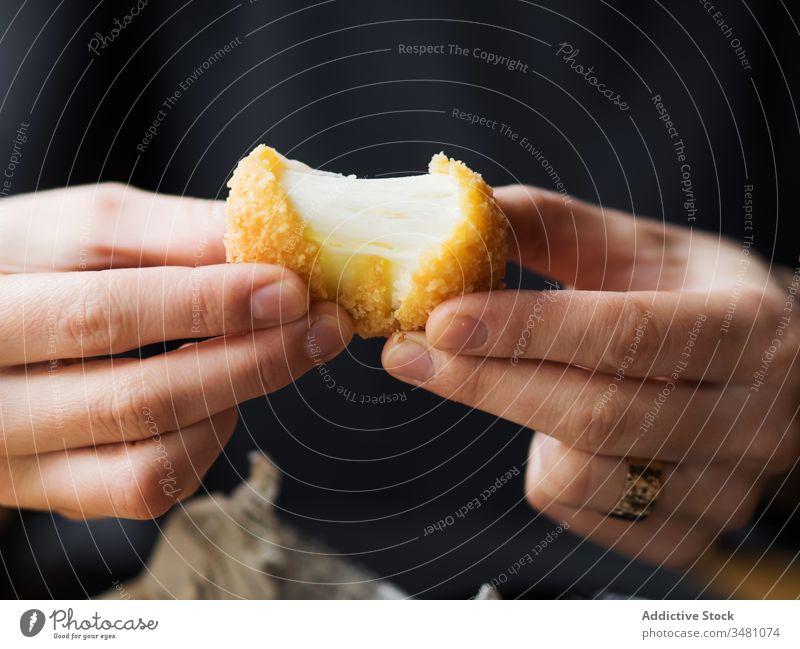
[(642, 487)]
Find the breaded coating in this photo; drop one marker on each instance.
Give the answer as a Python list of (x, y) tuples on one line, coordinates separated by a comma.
[(388, 250)]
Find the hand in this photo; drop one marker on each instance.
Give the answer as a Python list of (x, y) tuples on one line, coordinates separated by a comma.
[(93, 271), (673, 345)]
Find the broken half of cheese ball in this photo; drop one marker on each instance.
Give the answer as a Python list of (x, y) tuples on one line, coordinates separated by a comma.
[(386, 249)]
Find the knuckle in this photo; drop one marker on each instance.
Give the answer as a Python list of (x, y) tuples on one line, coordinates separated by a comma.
[(597, 423), (132, 409), (470, 389), (206, 313), (125, 412), (271, 368), (633, 342), (463, 391), (137, 494), (102, 421), (105, 206), (109, 198), (93, 322)]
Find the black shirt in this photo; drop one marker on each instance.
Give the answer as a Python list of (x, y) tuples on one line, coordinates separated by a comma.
[(664, 109)]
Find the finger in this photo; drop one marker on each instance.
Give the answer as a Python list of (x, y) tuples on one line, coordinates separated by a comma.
[(594, 412), (716, 494), (138, 480), (109, 401), (109, 225), (74, 515), (643, 333), (77, 315), (584, 245), (668, 543)]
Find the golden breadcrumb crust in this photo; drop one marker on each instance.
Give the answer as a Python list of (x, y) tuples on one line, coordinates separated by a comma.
[(473, 259), (263, 227)]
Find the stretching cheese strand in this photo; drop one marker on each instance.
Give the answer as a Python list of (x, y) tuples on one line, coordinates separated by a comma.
[(388, 250)]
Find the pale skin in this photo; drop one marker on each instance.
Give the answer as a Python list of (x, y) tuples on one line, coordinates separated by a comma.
[(561, 363), (90, 271), (98, 270)]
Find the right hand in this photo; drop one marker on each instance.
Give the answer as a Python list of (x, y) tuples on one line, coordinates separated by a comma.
[(92, 271)]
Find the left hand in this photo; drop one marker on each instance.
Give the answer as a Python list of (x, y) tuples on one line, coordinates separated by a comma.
[(90, 272), (673, 344)]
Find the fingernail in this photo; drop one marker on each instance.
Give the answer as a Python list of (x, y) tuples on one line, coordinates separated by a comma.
[(323, 339), (408, 359), (461, 332), (278, 302)]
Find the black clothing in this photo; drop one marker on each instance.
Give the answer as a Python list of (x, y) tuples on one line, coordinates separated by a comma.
[(340, 86)]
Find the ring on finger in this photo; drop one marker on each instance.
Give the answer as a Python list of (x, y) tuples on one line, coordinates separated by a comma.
[(643, 483)]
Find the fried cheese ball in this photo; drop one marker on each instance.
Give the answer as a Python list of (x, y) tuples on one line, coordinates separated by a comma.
[(388, 250)]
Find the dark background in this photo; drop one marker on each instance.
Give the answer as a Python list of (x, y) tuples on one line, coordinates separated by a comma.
[(327, 85)]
